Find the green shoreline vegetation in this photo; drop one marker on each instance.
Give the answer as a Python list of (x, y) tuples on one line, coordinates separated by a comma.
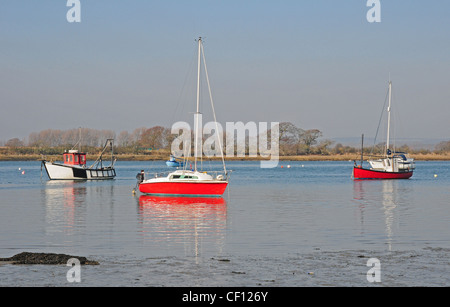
[(152, 144)]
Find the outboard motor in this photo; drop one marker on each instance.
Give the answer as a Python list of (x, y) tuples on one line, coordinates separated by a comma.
[(139, 178)]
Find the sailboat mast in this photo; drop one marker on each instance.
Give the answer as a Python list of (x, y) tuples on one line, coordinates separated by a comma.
[(389, 116), (198, 74), (197, 113), (362, 148)]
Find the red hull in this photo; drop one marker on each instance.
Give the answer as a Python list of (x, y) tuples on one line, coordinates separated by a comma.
[(184, 188), (362, 173), (150, 200)]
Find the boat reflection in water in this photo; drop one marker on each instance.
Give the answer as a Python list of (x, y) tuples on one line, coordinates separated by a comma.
[(180, 200), (196, 223), (65, 203), (387, 196)]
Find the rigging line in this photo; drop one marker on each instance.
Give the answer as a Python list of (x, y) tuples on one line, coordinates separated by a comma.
[(397, 123), (214, 112), (78, 143), (394, 121), (379, 122), (180, 106), (183, 89)]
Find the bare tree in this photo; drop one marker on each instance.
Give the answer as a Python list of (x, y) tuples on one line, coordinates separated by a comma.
[(124, 139), (153, 138), (15, 142), (309, 138), (442, 147)]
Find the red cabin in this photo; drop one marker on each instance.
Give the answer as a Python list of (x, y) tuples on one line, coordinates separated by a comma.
[(73, 157)]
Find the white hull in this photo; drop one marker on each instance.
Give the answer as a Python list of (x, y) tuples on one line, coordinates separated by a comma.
[(56, 171)]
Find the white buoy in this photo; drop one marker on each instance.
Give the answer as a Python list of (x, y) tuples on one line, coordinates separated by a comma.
[(435, 175), (288, 166)]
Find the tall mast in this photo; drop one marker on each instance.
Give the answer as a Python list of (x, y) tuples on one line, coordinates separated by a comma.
[(362, 149), (79, 139), (197, 113), (198, 74), (389, 116)]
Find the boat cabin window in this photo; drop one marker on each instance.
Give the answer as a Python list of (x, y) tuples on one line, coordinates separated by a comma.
[(183, 177), (403, 157), (74, 158)]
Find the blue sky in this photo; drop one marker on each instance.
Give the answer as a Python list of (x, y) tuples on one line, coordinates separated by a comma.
[(317, 63)]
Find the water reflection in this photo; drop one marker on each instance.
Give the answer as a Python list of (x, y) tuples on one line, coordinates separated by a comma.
[(388, 195), (359, 195), (389, 192), (193, 222), (65, 205)]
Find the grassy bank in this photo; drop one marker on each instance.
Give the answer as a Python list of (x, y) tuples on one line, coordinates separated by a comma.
[(163, 157)]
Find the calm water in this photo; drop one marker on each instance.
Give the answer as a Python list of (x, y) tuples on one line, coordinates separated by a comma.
[(307, 225)]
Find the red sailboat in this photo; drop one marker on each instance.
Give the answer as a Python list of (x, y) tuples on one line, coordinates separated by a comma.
[(394, 165), (184, 182)]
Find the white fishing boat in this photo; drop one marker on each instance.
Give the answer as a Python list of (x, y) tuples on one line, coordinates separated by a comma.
[(74, 166)]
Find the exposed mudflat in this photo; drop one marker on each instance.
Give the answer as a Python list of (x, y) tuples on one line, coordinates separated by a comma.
[(45, 258)]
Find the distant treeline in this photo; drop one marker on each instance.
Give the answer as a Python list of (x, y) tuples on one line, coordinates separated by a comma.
[(293, 141)]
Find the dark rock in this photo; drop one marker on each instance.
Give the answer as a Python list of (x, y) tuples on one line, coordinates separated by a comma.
[(45, 258), (222, 259)]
